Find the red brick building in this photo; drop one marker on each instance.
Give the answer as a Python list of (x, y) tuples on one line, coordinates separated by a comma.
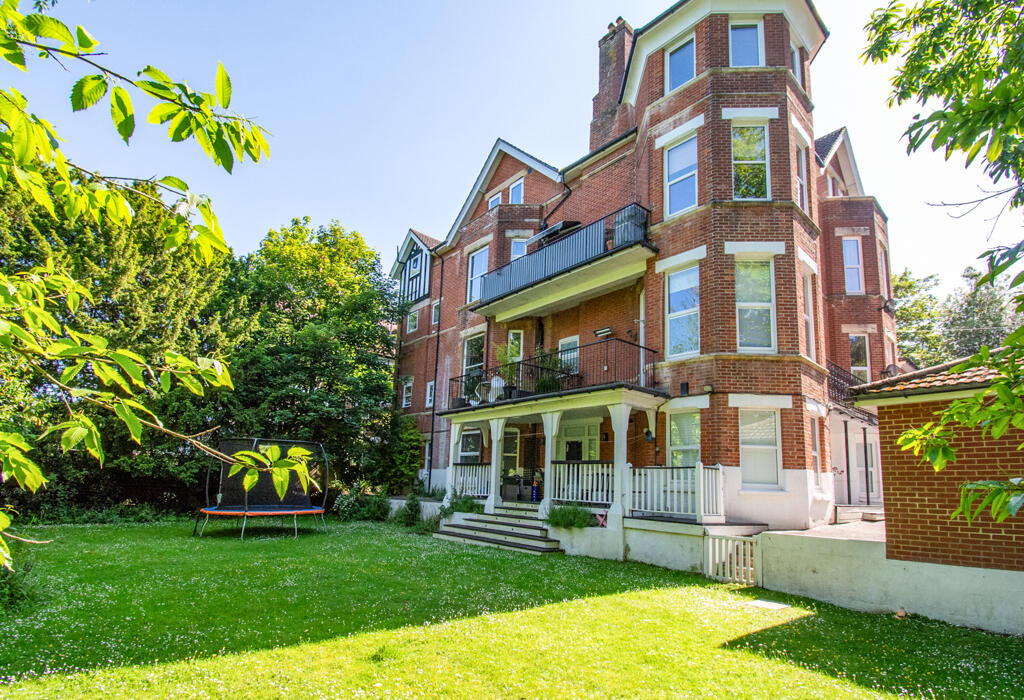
[(919, 500), (674, 299)]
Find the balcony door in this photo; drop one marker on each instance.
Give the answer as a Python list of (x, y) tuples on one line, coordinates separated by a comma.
[(578, 442), (642, 335)]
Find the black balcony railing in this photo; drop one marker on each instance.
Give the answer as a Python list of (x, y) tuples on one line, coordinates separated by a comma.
[(839, 383), (620, 229), (605, 362)]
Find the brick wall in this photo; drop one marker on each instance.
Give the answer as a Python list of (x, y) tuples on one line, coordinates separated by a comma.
[(919, 501)]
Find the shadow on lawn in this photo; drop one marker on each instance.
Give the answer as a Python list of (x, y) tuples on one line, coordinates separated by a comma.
[(160, 594), (879, 651)]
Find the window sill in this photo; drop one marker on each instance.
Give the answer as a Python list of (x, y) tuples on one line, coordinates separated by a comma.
[(680, 213), (750, 490), (757, 351), (683, 356)]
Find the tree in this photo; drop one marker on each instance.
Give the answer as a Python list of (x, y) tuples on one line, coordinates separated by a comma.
[(967, 58), (318, 365), (918, 318), (975, 316), (69, 361)]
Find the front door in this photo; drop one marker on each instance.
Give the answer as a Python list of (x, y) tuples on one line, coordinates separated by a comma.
[(578, 443)]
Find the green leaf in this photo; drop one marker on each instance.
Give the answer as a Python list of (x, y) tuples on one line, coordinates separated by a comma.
[(129, 419), (16, 440), (281, 478), (223, 86), (86, 42), (12, 53), (49, 28), (156, 74), (122, 113), (130, 367), (162, 111), (174, 182), (88, 91), (250, 479), (222, 150), (165, 381), (72, 436)]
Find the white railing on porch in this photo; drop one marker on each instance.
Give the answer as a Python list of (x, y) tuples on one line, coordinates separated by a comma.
[(591, 483), (471, 479), (733, 559), (677, 492)]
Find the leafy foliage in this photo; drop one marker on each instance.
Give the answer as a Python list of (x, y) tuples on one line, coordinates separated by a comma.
[(968, 57), (362, 502), (461, 503), (976, 316), (918, 319), (570, 516), (411, 512)]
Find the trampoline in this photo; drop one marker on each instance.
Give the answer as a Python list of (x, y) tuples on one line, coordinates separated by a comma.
[(262, 501)]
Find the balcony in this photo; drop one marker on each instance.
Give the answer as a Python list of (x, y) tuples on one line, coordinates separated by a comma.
[(840, 381), (602, 364), (599, 258)]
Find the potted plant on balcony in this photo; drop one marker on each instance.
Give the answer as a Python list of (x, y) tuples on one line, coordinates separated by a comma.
[(508, 370), (549, 371)]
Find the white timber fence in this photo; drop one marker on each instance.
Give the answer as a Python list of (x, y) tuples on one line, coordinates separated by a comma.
[(471, 480), (585, 482), (679, 492), (732, 559)]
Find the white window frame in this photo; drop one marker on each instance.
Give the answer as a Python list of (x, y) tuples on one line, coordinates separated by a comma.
[(521, 184), (798, 64), (883, 271), (810, 341), (757, 305), (493, 201), (815, 444), (465, 343), (759, 23), (505, 454), (462, 454), (430, 395), (668, 69), (691, 136), (561, 347), (435, 313), (679, 314), (778, 449), (469, 272), (428, 454), (859, 266), (412, 321), (890, 353), (407, 392), (519, 357), (767, 160), (668, 435), (802, 193), (512, 248), (867, 355)]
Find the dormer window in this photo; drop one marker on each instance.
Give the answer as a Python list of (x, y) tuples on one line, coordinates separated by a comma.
[(746, 46), (515, 192), (494, 201)]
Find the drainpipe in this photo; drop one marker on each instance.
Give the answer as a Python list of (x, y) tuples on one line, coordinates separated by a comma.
[(846, 444), (867, 469), (568, 192), (433, 409)]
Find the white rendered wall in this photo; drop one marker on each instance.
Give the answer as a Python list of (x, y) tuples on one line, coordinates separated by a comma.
[(855, 574), (796, 506)]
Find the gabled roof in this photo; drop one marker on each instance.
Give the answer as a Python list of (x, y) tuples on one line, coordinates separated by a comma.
[(412, 237), (838, 144), (930, 380), (500, 148), (429, 241)]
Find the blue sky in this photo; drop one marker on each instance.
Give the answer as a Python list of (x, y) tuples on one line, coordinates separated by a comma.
[(382, 113)]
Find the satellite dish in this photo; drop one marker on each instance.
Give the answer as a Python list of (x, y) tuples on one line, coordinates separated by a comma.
[(891, 371), (889, 306)]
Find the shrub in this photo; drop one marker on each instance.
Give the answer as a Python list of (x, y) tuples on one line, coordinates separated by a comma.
[(17, 586), (570, 516), (461, 504), (425, 527), (411, 513), (362, 502)]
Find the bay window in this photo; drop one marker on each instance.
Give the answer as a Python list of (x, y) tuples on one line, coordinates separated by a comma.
[(681, 65), (477, 268), (860, 365), (684, 438), (683, 312), (853, 267), (809, 341), (755, 305), (746, 46), (760, 447), (750, 162), (681, 176)]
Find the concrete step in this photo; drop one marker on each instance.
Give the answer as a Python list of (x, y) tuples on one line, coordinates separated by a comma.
[(508, 525), (512, 519), (517, 509), (500, 534), (466, 538)]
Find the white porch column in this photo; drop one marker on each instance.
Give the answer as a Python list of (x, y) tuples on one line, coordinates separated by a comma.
[(620, 431), (551, 423), (497, 426), (454, 436)]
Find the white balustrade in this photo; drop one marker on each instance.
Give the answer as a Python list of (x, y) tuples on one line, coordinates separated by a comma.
[(471, 480), (678, 492), (591, 483)]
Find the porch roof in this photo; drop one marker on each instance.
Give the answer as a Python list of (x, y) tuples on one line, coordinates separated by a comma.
[(583, 401)]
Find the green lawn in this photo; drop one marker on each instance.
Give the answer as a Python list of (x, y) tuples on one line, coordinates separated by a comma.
[(146, 610)]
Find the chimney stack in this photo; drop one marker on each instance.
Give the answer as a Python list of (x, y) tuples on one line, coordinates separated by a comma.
[(613, 51)]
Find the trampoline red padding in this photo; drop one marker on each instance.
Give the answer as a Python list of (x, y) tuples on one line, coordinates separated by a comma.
[(256, 511)]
